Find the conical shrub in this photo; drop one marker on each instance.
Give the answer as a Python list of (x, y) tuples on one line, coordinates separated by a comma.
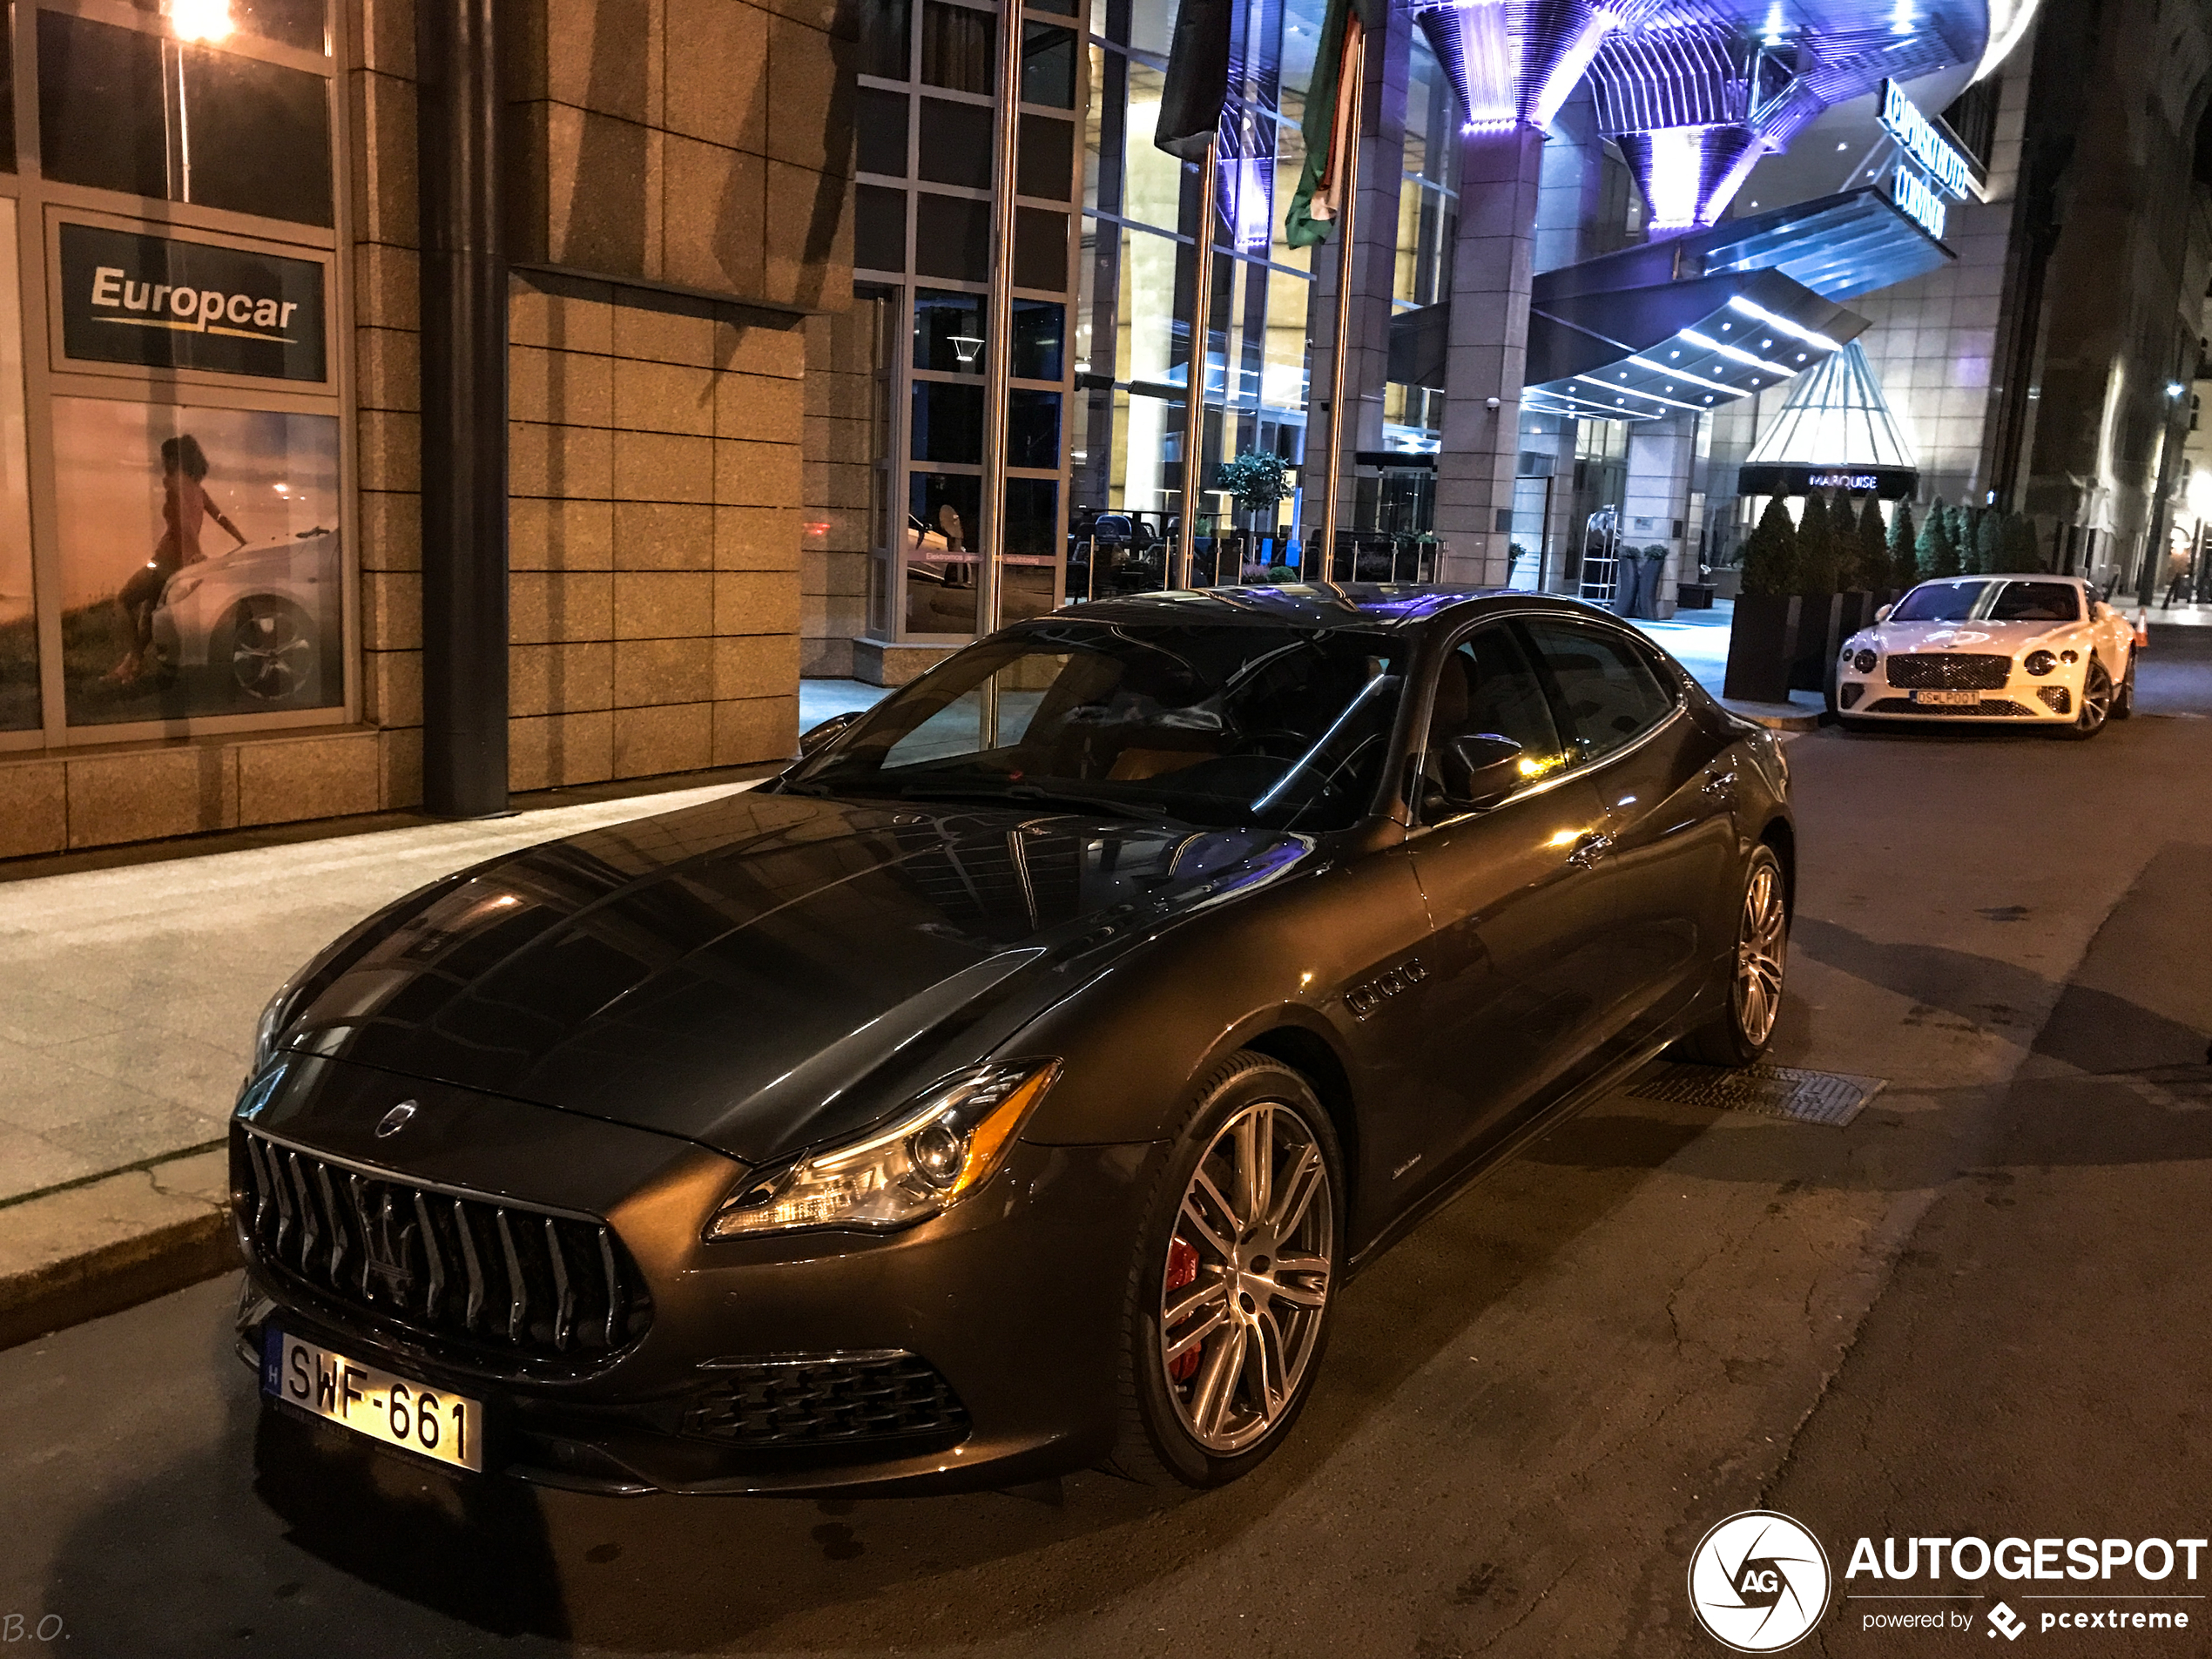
[(1938, 553), (1905, 558), (1771, 556), (1873, 570), (1816, 548)]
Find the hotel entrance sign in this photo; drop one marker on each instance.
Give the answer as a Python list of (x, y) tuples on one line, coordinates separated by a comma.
[(1930, 168)]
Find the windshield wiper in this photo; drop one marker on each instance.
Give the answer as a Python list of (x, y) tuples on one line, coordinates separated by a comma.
[(1028, 794)]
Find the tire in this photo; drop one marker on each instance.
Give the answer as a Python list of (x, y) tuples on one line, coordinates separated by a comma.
[(1209, 1303), (265, 654), (2123, 706), (2096, 705), (1744, 1030)]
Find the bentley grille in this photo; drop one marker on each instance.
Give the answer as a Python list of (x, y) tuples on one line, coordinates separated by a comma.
[(1943, 671), (499, 1278)]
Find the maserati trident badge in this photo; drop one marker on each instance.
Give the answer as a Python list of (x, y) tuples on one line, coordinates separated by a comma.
[(398, 1118)]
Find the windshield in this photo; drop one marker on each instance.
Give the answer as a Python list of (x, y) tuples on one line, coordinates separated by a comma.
[(1939, 602), (1221, 725), (1982, 601)]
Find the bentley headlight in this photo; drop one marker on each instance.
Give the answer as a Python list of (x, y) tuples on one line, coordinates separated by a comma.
[(1864, 661), (934, 1155), (2039, 663)]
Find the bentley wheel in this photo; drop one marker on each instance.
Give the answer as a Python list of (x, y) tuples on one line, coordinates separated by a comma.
[(1740, 1035), (1232, 1288), (2097, 704)]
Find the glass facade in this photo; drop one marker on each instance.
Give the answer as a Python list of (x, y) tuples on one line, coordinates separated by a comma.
[(175, 552), (963, 217)]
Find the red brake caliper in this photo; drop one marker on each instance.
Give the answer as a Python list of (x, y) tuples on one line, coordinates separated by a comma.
[(1182, 1269)]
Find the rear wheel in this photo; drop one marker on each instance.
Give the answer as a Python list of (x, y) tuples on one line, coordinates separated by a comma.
[(2096, 705), (1234, 1280), (1741, 1034)]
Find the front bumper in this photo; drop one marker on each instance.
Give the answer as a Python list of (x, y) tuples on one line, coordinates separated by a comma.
[(2022, 701), (793, 1364)]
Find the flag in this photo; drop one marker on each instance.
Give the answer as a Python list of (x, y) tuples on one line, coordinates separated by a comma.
[(1332, 116), (1197, 78)]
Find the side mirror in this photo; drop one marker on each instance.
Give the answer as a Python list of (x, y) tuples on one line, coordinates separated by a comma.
[(815, 737), (1480, 770), (1882, 614)]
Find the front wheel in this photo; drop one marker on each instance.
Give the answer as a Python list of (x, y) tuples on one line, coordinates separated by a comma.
[(1234, 1280), (1742, 1034), (2096, 705)]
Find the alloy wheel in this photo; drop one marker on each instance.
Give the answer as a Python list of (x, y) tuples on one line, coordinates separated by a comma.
[(2096, 698), (1759, 949), (271, 654), (1248, 1278)]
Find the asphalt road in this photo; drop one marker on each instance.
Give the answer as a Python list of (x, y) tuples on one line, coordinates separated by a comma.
[(1982, 1309)]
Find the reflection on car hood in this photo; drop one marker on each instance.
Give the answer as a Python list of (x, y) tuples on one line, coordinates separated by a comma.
[(735, 973), (2008, 638)]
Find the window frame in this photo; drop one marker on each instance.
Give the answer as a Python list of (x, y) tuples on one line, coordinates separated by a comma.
[(42, 205)]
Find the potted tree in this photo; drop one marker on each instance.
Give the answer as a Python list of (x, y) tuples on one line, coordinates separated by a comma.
[(1257, 482), (1763, 638), (1905, 558), (1818, 561), (1869, 571)]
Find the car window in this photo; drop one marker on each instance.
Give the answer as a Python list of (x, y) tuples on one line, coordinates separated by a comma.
[(1488, 687), (1939, 602), (2036, 602), (1609, 690), (1220, 725)]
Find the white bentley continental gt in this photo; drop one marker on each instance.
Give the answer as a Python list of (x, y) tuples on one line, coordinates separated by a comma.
[(2041, 650)]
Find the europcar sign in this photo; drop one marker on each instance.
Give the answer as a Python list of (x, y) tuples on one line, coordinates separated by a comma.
[(165, 303)]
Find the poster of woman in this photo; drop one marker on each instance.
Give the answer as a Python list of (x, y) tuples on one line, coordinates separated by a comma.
[(200, 561)]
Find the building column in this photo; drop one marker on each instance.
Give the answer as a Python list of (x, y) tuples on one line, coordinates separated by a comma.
[(1493, 264), (1657, 498), (1374, 272)]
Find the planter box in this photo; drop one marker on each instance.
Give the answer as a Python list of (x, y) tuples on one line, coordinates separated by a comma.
[(1762, 647), (1693, 595), (1817, 642)]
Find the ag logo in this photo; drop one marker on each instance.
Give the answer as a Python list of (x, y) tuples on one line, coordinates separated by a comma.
[(1758, 1581)]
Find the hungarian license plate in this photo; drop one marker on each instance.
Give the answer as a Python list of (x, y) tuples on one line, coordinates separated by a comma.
[(449, 1427), (1951, 698)]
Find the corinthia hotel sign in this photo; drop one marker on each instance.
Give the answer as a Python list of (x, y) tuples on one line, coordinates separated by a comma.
[(1930, 168), (165, 303)]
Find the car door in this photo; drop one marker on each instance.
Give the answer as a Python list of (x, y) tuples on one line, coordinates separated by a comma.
[(1665, 787), (1515, 960)]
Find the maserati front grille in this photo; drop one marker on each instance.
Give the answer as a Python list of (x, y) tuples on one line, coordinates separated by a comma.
[(497, 1277)]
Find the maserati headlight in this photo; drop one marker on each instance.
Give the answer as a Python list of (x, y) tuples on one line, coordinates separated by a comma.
[(936, 1154), (181, 588), (274, 1018)]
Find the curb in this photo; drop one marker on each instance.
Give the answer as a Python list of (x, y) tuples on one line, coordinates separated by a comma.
[(1779, 716), (83, 1251)]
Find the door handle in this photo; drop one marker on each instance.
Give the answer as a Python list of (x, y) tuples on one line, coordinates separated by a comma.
[(1719, 783), (1588, 850)]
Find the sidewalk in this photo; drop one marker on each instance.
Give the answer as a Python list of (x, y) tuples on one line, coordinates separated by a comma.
[(127, 1027)]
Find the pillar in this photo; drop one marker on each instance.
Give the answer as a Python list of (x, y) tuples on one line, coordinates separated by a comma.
[(1493, 264), (1657, 498)]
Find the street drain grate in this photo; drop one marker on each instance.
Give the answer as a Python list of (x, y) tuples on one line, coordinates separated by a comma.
[(1830, 1097)]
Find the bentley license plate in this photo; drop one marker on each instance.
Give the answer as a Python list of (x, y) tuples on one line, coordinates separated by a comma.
[(1966, 698), (449, 1427)]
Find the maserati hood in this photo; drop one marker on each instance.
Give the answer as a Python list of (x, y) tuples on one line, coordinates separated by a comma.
[(758, 973)]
